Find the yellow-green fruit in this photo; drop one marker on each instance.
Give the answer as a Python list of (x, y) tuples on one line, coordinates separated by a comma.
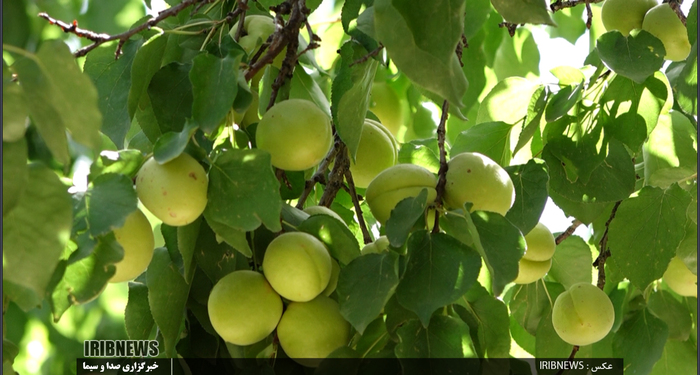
[(625, 15), (310, 331), (583, 314), (296, 133), (395, 184), (540, 244), (333, 282), (379, 245), (257, 30), (387, 106), (136, 238), (680, 279), (297, 265), (376, 152), (243, 308), (175, 192), (662, 22), (473, 177), (323, 210), (530, 271)]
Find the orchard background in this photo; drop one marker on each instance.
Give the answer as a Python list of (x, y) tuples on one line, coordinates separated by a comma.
[(607, 134)]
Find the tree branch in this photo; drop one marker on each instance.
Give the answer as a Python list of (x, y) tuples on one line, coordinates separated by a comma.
[(366, 57), (563, 4), (442, 172), (350, 188), (336, 177), (676, 6), (604, 252), (99, 38), (568, 232), (243, 6), (319, 176)]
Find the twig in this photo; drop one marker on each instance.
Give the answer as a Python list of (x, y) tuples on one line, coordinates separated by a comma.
[(589, 19), (318, 177), (442, 172), (562, 4), (571, 357), (99, 39), (282, 176), (568, 232), (336, 177), (350, 188), (243, 6), (366, 57), (676, 6), (510, 26), (460, 48), (604, 252)]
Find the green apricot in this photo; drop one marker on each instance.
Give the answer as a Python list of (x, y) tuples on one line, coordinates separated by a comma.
[(310, 331), (243, 307), (136, 238), (323, 210), (583, 314), (395, 184), (662, 22), (296, 133), (473, 177), (175, 192), (376, 152), (297, 265), (385, 103), (680, 279), (333, 282), (540, 244), (625, 15), (530, 271)]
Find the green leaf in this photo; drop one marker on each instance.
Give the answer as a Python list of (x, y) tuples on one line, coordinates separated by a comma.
[(610, 181), (535, 111), (501, 245), (531, 303), (234, 237), (524, 11), (571, 263), (50, 81), (562, 102), (171, 144), (549, 344), (170, 92), (111, 199), (640, 342), (421, 39), (685, 87), (488, 317), (570, 24), (476, 14), (647, 100), (508, 101), (374, 338), (15, 173), (516, 56), (646, 231), (678, 357), (585, 212), (350, 94), (137, 315), (688, 248), (146, 63), (215, 259), (440, 269), (14, 108), (243, 191), (531, 192), (36, 231), (635, 56), (404, 216), (341, 243), (167, 295), (214, 87), (522, 337), (86, 279), (423, 152), (126, 162), (186, 244), (670, 152), (304, 87), (673, 313), (365, 285), (491, 139), (445, 337), (16, 27), (112, 78)]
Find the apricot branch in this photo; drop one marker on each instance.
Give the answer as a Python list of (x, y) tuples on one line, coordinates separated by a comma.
[(99, 39), (561, 4), (568, 232), (442, 172), (337, 175), (350, 188), (318, 177), (604, 252)]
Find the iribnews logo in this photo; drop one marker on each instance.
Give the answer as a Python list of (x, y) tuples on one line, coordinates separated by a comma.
[(120, 348)]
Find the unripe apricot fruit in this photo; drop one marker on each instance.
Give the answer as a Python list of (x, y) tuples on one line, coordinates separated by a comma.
[(662, 22), (258, 28), (583, 314), (323, 210), (473, 177), (243, 307), (136, 238), (376, 152), (395, 184), (175, 192), (540, 244), (625, 15), (333, 282), (387, 106), (298, 266), (296, 133), (310, 331), (530, 271), (680, 279)]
